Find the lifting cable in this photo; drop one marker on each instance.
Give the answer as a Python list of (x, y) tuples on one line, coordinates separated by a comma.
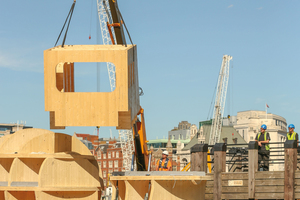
[(90, 35), (123, 22), (69, 16)]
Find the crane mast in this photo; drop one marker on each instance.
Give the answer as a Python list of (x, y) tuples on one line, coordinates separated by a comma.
[(105, 19), (216, 127)]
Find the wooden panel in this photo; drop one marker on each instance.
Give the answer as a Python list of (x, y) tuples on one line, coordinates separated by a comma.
[(33, 167), (2, 196), (275, 189), (233, 189), (209, 196), (5, 165), (40, 144), (63, 143), (55, 195), (290, 164), (297, 195), (68, 173), (136, 189), (20, 195), (178, 190), (224, 183), (120, 185), (269, 175), (252, 168), (269, 182), (52, 121), (218, 169), (209, 190), (235, 196), (92, 108), (25, 170), (297, 174), (269, 195), (235, 176), (13, 144)]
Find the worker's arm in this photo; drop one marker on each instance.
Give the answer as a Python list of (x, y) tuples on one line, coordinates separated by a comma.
[(256, 140), (156, 168), (267, 141)]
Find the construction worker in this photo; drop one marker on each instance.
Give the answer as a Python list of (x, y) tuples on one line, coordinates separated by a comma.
[(292, 135), (164, 164), (263, 139)]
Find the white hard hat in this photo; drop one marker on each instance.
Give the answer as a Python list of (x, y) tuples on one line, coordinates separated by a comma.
[(166, 153)]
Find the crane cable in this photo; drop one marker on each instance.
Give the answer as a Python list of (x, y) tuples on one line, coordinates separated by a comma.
[(69, 16), (90, 35)]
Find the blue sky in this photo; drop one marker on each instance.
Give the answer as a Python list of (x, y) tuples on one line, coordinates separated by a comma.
[(180, 48)]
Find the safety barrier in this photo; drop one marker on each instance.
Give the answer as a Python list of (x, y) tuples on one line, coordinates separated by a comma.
[(252, 184)]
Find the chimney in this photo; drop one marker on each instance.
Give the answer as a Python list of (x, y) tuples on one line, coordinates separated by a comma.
[(234, 140)]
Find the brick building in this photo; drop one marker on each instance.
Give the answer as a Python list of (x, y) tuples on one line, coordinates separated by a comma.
[(107, 152), (110, 158)]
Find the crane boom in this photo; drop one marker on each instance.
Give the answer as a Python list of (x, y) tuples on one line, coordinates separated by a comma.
[(108, 17), (216, 127)]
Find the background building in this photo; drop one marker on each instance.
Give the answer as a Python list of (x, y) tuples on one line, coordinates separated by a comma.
[(184, 131), (109, 157), (249, 123), (6, 129)]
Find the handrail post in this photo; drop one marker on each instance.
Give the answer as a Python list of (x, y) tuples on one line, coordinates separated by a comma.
[(219, 167), (252, 167), (290, 165), (199, 157)]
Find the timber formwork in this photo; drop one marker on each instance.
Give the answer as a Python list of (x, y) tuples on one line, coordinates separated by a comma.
[(41, 164)]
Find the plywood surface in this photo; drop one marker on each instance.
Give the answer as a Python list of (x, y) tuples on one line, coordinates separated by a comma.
[(70, 108), (46, 165)]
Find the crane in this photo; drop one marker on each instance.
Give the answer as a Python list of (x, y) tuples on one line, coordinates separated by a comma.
[(112, 32), (216, 127)]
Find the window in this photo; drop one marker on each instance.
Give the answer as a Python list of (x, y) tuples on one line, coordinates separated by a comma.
[(104, 156), (104, 174), (109, 155), (110, 164), (99, 163), (116, 163), (110, 171), (104, 164), (113, 154), (99, 155), (117, 154)]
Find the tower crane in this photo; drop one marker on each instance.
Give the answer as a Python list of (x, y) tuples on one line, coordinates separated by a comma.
[(112, 33), (216, 127)]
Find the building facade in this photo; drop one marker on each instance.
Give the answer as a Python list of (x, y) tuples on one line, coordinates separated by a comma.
[(6, 129), (110, 158), (248, 126), (184, 131)]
